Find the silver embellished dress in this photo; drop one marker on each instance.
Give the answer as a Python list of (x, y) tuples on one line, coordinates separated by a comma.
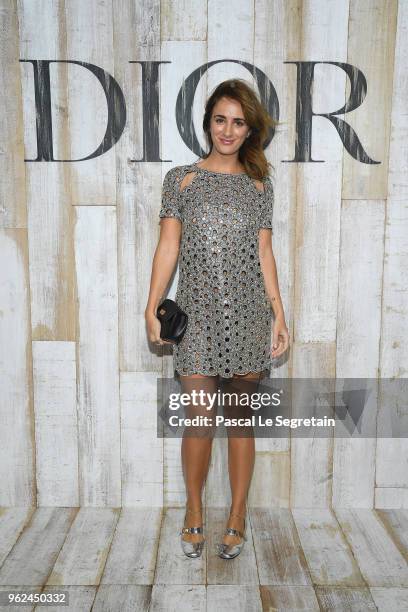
[(221, 285)]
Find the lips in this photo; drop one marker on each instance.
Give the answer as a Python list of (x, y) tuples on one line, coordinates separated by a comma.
[(226, 142)]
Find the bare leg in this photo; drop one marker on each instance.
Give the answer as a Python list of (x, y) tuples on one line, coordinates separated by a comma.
[(241, 453), (196, 449)]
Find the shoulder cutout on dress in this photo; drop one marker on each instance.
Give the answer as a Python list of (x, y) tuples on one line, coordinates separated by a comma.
[(187, 179), (259, 185)]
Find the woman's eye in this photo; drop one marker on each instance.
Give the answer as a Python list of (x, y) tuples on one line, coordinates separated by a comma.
[(238, 123)]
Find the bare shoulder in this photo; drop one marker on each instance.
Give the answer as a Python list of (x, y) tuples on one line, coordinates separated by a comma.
[(259, 184)]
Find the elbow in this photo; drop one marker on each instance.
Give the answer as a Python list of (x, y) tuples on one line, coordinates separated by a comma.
[(169, 248)]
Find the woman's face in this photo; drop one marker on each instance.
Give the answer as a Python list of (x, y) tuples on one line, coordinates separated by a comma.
[(228, 127)]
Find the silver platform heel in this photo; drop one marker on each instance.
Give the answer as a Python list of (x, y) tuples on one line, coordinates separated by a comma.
[(192, 549), (230, 551)]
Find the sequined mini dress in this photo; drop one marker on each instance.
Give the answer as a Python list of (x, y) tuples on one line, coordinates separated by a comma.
[(220, 285)]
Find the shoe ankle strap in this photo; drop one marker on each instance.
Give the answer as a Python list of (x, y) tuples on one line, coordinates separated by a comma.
[(192, 530), (234, 532)]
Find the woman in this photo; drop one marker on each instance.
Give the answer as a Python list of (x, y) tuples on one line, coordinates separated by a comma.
[(217, 216)]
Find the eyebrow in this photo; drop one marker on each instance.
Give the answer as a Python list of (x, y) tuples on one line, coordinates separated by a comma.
[(224, 117)]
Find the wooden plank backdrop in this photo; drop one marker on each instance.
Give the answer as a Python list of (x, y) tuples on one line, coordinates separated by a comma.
[(77, 373)]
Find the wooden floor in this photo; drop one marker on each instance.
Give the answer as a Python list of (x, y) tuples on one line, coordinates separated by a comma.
[(131, 559)]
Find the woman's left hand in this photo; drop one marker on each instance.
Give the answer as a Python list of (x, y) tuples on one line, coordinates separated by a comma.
[(280, 341)]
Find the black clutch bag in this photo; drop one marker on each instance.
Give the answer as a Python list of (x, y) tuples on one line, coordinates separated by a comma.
[(173, 321)]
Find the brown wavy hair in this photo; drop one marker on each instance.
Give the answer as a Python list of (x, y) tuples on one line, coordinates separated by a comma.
[(251, 153)]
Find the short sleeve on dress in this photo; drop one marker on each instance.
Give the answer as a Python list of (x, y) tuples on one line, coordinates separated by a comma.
[(266, 210), (171, 197)]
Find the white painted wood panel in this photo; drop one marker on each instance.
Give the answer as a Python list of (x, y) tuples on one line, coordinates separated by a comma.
[(392, 453), (89, 38), (317, 204), (48, 184), (86, 547), (17, 436), (289, 598), (138, 236), (357, 354), (270, 484), (373, 54), (132, 555), (392, 462), (398, 149), (391, 497), (12, 522), (236, 42), (80, 598), (97, 356), (240, 598), (281, 560), (174, 493), (177, 597), (138, 184), (327, 553), (141, 448), (318, 192), (340, 598), (396, 524), (123, 597), (389, 598), (316, 284), (379, 559), (13, 211), (311, 471), (34, 554), (184, 20), (56, 426)]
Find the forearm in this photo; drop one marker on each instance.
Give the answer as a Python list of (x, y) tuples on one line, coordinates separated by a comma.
[(164, 262), (270, 274)]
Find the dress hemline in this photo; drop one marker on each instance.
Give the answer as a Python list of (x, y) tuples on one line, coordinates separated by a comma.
[(266, 368)]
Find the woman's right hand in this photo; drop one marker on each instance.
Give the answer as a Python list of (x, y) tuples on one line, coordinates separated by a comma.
[(153, 330)]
